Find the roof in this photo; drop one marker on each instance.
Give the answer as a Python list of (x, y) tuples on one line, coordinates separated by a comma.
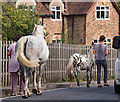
[(57, 3), (116, 7), (72, 8), (78, 8), (43, 10)]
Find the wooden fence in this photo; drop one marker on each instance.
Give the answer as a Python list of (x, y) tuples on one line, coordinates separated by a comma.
[(55, 68)]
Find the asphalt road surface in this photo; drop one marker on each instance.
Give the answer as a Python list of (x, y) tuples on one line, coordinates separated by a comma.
[(80, 94)]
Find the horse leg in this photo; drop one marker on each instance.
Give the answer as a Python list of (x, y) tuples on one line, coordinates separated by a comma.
[(71, 80), (39, 92), (91, 73), (76, 76), (90, 76), (87, 78), (25, 90), (34, 82)]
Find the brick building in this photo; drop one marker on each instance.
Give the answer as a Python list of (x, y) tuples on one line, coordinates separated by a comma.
[(86, 21), (79, 22)]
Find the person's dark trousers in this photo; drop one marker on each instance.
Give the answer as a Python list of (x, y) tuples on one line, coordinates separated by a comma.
[(99, 64)]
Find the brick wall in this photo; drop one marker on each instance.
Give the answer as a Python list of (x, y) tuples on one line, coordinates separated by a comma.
[(53, 28), (74, 29), (84, 26), (95, 28)]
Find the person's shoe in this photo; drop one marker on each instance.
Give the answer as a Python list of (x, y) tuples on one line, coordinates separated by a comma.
[(20, 93), (106, 84), (100, 86), (13, 94)]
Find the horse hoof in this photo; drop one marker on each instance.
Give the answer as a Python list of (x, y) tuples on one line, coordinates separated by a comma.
[(29, 95), (34, 91), (78, 84), (39, 93), (71, 87), (88, 85), (24, 96)]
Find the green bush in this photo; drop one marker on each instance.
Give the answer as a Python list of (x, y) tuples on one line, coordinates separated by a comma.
[(17, 21)]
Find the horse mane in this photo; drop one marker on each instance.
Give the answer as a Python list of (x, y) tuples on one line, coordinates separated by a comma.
[(39, 31), (90, 53)]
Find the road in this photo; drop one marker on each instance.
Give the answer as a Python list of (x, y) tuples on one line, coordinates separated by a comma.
[(80, 94)]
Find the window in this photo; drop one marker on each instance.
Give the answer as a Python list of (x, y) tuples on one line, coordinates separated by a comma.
[(108, 41), (57, 13), (102, 13), (96, 41), (20, 7), (26, 7), (56, 41)]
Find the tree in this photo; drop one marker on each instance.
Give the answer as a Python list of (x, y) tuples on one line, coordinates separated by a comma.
[(17, 21), (118, 3)]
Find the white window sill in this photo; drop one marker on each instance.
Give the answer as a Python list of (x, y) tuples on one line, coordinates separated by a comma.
[(103, 19), (56, 19)]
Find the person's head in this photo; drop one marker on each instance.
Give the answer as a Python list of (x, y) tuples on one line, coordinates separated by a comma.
[(17, 37), (102, 38)]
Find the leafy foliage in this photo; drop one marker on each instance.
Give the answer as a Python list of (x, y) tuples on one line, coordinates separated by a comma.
[(17, 21), (118, 3)]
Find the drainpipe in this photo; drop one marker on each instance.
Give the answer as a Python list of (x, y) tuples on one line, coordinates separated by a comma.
[(85, 29), (119, 24), (63, 29), (72, 28), (42, 20)]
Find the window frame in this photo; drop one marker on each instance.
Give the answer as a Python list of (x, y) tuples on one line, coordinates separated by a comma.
[(56, 41), (28, 7), (55, 10), (106, 42), (105, 10)]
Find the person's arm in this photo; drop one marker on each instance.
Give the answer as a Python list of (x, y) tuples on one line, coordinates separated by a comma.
[(94, 52), (106, 52), (9, 53)]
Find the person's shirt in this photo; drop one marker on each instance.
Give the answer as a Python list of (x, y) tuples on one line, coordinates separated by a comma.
[(11, 48), (13, 64), (100, 50)]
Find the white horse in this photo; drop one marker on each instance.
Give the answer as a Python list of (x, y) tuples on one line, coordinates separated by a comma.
[(32, 52), (79, 62)]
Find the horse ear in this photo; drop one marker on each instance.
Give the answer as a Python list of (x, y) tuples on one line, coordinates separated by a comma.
[(35, 24), (44, 25), (92, 43)]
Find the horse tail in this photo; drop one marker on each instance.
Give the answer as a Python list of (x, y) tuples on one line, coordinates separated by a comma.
[(21, 56), (69, 69)]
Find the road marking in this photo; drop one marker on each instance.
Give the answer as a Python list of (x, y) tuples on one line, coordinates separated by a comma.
[(54, 89), (42, 91), (9, 97)]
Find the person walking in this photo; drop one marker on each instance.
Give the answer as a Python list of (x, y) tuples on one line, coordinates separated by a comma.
[(101, 51), (14, 67)]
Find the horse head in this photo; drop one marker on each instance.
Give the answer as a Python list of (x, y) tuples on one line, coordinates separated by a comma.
[(39, 30), (90, 51)]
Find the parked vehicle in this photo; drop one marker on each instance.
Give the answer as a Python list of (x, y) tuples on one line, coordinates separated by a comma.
[(116, 45)]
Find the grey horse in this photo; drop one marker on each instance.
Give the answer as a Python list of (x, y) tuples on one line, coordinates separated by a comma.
[(32, 52)]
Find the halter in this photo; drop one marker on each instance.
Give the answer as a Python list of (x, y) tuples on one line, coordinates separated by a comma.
[(75, 57), (35, 30)]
